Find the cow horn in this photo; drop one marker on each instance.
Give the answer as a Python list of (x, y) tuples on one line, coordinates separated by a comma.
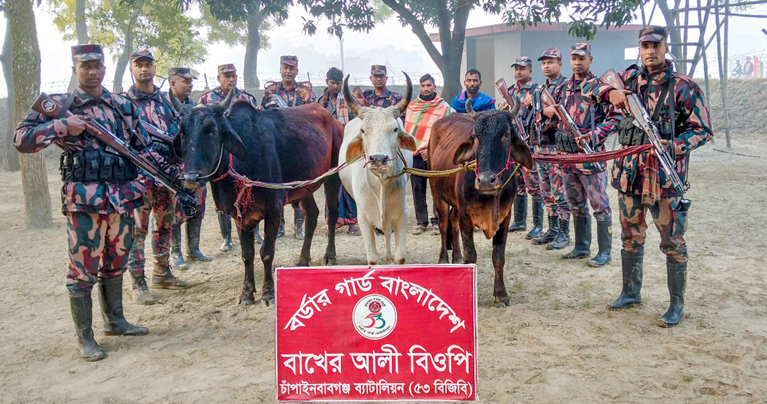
[(470, 108), (228, 100), (174, 101), (351, 102), (515, 107), (402, 105)]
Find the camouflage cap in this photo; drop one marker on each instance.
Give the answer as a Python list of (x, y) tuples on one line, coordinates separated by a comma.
[(290, 60), (552, 52), (229, 67), (652, 33), (184, 72), (522, 61), (582, 49), (141, 53), (378, 69), (84, 53)]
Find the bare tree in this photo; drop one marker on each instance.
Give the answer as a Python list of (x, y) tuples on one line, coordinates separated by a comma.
[(6, 60)]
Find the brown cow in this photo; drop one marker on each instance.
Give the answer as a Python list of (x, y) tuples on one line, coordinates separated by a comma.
[(482, 197)]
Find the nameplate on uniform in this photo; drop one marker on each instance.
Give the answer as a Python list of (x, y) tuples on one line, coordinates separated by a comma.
[(376, 333)]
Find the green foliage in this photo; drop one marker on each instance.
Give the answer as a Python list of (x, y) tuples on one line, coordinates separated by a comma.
[(236, 32)]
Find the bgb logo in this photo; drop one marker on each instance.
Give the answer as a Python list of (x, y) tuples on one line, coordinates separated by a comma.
[(374, 317)]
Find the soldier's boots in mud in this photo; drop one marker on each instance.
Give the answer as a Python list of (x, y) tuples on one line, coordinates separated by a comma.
[(176, 258), (193, 228), (111, 299), (298, 221), (140, 293), (163, 278), (562, 239), (225, 224), (81, 305), (538, 210), (677, 282), (582, 247), (520, 214), (631, 267), (605, 242), (550, 234), (257, 235)]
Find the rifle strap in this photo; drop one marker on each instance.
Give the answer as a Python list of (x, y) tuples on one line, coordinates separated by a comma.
[(65, 107)]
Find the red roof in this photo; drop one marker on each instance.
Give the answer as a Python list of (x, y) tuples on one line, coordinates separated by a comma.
[(502, 28)]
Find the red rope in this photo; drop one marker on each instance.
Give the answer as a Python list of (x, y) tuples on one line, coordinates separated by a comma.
[(593, 157)]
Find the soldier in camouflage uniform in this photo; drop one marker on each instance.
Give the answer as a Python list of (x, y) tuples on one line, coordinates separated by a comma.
[(527, 180), (586, 182), (156, 110), (551, 175), (99, 193), (380, 95), (677, 105), (293, 94), (180, 80), (227, 78)]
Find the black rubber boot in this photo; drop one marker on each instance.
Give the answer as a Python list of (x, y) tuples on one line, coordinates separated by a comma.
[(677, 282), (537, 230), (281, 230), (582, 247), (259, 239), (298, 221), (193, 228), (605, 241), (631, 294), (111, 299), (225, 224), (81, 305), (176, 258), (562, 239), (520, 214), (550, 234)]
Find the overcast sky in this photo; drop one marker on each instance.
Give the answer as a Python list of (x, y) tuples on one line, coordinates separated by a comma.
[(387, 42)]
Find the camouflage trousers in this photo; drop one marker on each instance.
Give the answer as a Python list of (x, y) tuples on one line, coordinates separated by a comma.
[(160, 201), (671, 225), (528, 181), (553, 185), (98, 247), (592, 188)]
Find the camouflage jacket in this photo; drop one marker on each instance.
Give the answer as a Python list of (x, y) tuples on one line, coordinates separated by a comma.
[(522, 92), (549, 126), (387, 99), (117, 114), (217, 95), (692, 123), (291, 97), (187, 101), (588, 114)]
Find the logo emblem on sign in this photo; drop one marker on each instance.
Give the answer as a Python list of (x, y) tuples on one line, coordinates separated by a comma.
[(48, 105), (374, 317)]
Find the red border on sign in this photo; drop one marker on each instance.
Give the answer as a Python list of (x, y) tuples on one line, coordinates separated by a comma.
[(376, 333)]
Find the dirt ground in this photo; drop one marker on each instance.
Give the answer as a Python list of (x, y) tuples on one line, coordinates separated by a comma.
[(557, 343)]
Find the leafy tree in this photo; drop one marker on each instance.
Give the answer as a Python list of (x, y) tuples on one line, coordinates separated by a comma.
[(449, 17)]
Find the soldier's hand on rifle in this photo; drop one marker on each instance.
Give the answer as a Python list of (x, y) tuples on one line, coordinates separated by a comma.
[(664, 142), (75, 124), (504, 106), (583, 139), (529, 100), (550, 111), (618, 99), (304, 92)]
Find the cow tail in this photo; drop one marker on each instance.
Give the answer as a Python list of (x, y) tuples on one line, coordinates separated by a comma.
[(449, 243)]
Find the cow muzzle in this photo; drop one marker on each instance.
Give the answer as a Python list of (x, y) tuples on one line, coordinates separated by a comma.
[(192, 180), (379, 163), (487, 182)]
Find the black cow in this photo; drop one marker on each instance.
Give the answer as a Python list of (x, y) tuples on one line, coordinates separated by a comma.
[(276, 146)]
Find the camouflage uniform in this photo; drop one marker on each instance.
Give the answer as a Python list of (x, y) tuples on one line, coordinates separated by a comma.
[(214, 97), (551, 175), (98, 209), (388, 98), (690, 129), (587, 182)]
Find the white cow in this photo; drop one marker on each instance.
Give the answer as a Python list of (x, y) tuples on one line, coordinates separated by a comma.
[(377, 134)]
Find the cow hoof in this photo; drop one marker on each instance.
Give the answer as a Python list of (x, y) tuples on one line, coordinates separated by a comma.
[(401, 261), (247, 302), (303, 262), (502, 305), (268, 299), (329, 261)]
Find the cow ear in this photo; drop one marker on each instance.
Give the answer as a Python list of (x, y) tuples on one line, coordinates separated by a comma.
[(177, 149), (232, 141), (355, 149), (406, 141), (465, 152), (521, 153)]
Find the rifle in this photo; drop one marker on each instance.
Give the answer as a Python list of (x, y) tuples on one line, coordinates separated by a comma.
[(564, 117), (538, 109), (642, 117), (45, 105), (500, 85), (156, 132), (359, 96)]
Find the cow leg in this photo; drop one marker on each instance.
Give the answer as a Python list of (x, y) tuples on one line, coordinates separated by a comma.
[(400, 236), (332, 188), (467, 233), (499, 261), (443, 216), (248, 249), (369, 238), (309, 206), (455, 235), (271, 226), (387, 239)]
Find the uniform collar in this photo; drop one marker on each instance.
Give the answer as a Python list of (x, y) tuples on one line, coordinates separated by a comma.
[(82, 98)]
